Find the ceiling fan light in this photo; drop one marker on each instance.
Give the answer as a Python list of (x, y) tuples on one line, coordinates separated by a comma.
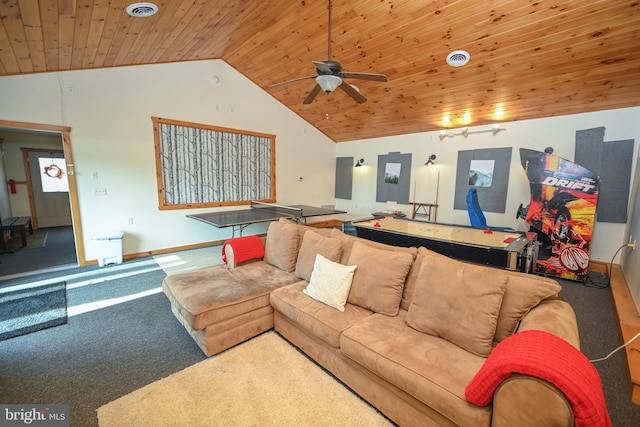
[(328, 83)]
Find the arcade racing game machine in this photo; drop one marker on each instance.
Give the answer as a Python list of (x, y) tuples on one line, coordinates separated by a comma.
[(562, 211)]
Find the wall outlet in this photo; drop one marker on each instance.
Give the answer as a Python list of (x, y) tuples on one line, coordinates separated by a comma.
[(99, 191), (130, 221)]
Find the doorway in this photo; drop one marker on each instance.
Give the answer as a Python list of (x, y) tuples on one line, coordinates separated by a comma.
[(66, 209)]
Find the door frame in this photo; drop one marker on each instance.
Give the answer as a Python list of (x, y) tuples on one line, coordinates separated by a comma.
[(65, 133)]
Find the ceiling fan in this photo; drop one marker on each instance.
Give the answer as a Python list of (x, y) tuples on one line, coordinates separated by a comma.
[(330, 76)]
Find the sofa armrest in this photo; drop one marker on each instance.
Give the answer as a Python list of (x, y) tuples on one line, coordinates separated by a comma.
[(530, 402), (527, 401), (554, 316)]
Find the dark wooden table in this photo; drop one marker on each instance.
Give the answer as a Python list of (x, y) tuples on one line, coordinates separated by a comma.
[(16, 224)]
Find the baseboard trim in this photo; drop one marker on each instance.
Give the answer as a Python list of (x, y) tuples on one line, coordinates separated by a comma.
[(127, 257)]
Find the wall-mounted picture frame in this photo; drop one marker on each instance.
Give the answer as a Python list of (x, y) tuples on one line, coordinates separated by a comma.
[(392, 173), (481, 173)]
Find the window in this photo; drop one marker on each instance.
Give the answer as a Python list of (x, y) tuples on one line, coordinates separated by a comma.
[(206, 166), (54, 175)]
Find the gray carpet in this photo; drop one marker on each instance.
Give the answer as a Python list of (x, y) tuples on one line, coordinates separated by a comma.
[(25, 309), (111, 348), (599, 335), (104, 353), (57, 250)]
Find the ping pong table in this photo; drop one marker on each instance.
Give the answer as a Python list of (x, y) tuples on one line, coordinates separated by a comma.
[(261, 212)]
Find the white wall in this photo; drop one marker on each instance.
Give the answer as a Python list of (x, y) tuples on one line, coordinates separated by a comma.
[(109, 112), (556, 132), (630, 258)]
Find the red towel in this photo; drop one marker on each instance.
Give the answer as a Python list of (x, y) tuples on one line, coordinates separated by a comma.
[(548, 357), (244, 249)]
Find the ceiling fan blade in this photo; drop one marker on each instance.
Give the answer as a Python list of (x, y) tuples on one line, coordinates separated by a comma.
[(312, 95), (352, 92), (322, 67), (291, 81), (365, 76)]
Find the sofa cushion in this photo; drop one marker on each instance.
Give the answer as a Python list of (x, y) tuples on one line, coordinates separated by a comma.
[(379, 279), (348, 241), (281, 248), (459, 302), (523, 292), (211, 295), (330, 282), (428, 368), (302, 229), (315, 318), (412, 277), (312, 245)]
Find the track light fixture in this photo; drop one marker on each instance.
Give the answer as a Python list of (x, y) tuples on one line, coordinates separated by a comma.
[(359, 163), (495, 128), (431, 160)]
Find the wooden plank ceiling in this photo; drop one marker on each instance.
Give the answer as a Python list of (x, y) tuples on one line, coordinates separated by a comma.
[(529, 59)]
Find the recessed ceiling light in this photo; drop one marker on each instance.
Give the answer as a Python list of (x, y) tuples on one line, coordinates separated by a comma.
[(458, 58), (142, 10)]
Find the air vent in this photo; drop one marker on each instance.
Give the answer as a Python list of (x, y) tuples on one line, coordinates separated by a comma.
[(142, 10), (458, 58)]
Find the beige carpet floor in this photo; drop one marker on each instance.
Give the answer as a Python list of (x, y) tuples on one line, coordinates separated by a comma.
[(262, 382)]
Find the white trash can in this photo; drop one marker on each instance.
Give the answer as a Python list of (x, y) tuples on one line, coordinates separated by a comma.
[(109, 247)]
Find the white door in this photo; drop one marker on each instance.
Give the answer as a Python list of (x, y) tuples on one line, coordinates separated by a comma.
[(50, 188)]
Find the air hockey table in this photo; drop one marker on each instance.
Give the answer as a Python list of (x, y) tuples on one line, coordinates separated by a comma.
[(513, 250)]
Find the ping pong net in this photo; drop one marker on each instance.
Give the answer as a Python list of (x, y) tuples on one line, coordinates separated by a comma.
[(277, 209)]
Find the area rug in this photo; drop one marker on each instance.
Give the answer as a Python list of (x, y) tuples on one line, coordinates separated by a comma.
[(262, 382), (27, 308), (36, 240)]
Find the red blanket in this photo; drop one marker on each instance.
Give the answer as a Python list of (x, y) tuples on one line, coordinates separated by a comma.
[(244, 249), (548, 357)]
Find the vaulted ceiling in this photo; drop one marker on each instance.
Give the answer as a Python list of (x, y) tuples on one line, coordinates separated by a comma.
[(529, 59)]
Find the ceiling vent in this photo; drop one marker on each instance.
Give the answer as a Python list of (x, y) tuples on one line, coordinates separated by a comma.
[(458, 58), (142, 10)]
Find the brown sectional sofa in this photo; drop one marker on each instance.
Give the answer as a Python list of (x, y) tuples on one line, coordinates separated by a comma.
[(415, 330)]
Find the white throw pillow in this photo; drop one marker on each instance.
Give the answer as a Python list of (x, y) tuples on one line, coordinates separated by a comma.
[(330, 282)]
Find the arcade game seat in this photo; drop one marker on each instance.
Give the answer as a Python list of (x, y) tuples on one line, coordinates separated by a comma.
[(475, 213), (473, 207)]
